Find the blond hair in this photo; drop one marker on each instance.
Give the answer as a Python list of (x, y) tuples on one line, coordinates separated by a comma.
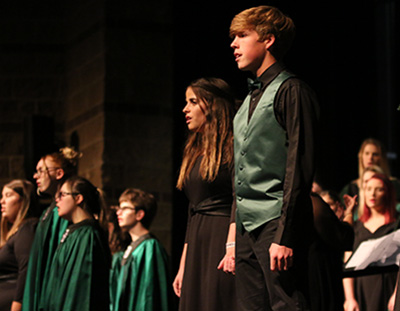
[(383, 162), (26, 192), (266, 21), (67, 158)]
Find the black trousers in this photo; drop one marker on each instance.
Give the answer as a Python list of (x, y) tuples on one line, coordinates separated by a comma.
[(259, 288)]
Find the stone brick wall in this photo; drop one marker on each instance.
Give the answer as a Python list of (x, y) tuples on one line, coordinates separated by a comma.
[(138, 105), (97, 76), (83, 115), (31, 81)]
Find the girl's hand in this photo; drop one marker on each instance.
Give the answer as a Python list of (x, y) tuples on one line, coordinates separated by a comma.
[(227, 264)]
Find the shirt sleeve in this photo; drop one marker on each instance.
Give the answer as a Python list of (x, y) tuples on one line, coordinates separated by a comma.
[(296, 110), (22, 247), (233, 209), (338, 235)]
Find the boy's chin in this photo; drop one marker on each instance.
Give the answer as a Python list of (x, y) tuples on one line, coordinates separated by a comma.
[(125, 228)]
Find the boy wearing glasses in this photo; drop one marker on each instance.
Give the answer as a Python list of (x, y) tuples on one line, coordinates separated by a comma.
[(139, 275)]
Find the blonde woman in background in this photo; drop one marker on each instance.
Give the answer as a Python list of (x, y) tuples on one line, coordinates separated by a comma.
[(372, 152)]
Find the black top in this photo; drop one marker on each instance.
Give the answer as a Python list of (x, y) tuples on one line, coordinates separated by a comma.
[(204, 287), (337, 235), (332, 237), (297, 111), (14, 256), (373, 291), (210, 198)]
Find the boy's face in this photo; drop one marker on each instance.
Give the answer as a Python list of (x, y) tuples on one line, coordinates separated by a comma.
[(250, 53), (126, 213)]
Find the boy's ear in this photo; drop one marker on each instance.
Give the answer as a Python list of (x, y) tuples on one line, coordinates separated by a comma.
[(140, 214), (269, 41)]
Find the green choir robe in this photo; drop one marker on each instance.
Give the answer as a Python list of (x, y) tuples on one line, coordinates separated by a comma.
[(79, 275), (47, 237), (139, 278)]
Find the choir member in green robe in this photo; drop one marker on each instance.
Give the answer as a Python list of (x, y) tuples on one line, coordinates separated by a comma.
[(51, 171), (139, 278), (78, 279)]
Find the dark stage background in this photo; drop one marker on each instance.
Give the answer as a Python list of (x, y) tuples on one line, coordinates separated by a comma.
[(346, 50), (110, 78)]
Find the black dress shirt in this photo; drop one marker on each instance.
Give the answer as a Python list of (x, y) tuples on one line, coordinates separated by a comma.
[(296, 110)]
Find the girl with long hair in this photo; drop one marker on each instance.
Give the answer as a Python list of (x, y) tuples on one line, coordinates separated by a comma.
[(372, 153), (372, 292), (206, 177), (18, 224)]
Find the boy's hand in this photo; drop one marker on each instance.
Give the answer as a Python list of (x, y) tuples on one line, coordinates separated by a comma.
[(281, 257)]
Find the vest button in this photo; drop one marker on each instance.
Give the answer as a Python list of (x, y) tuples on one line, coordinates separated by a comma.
[(242, 153), (241, 168), (240, 198), (239, 182)]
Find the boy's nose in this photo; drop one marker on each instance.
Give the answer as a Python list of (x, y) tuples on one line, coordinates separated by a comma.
[(234, 43)]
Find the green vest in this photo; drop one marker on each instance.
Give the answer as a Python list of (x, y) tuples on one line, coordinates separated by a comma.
[(260, 160)]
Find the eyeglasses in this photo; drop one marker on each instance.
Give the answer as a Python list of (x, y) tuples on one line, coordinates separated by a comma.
[(40, 171), (63, 194), (125, 208)]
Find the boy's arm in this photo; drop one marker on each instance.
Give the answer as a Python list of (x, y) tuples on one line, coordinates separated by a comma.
[(297, 111)]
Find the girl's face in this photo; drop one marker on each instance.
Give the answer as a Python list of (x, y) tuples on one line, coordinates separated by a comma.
[(66, 202), (374, 194), (194, 111), (371, 155), (46, 175), (366, 176), (126, 215), (10, 204)]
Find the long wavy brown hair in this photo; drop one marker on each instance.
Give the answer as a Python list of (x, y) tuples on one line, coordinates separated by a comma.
[(25, 190), (215, 141)]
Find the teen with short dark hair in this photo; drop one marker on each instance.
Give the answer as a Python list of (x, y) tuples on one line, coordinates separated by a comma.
[(140, 275)]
